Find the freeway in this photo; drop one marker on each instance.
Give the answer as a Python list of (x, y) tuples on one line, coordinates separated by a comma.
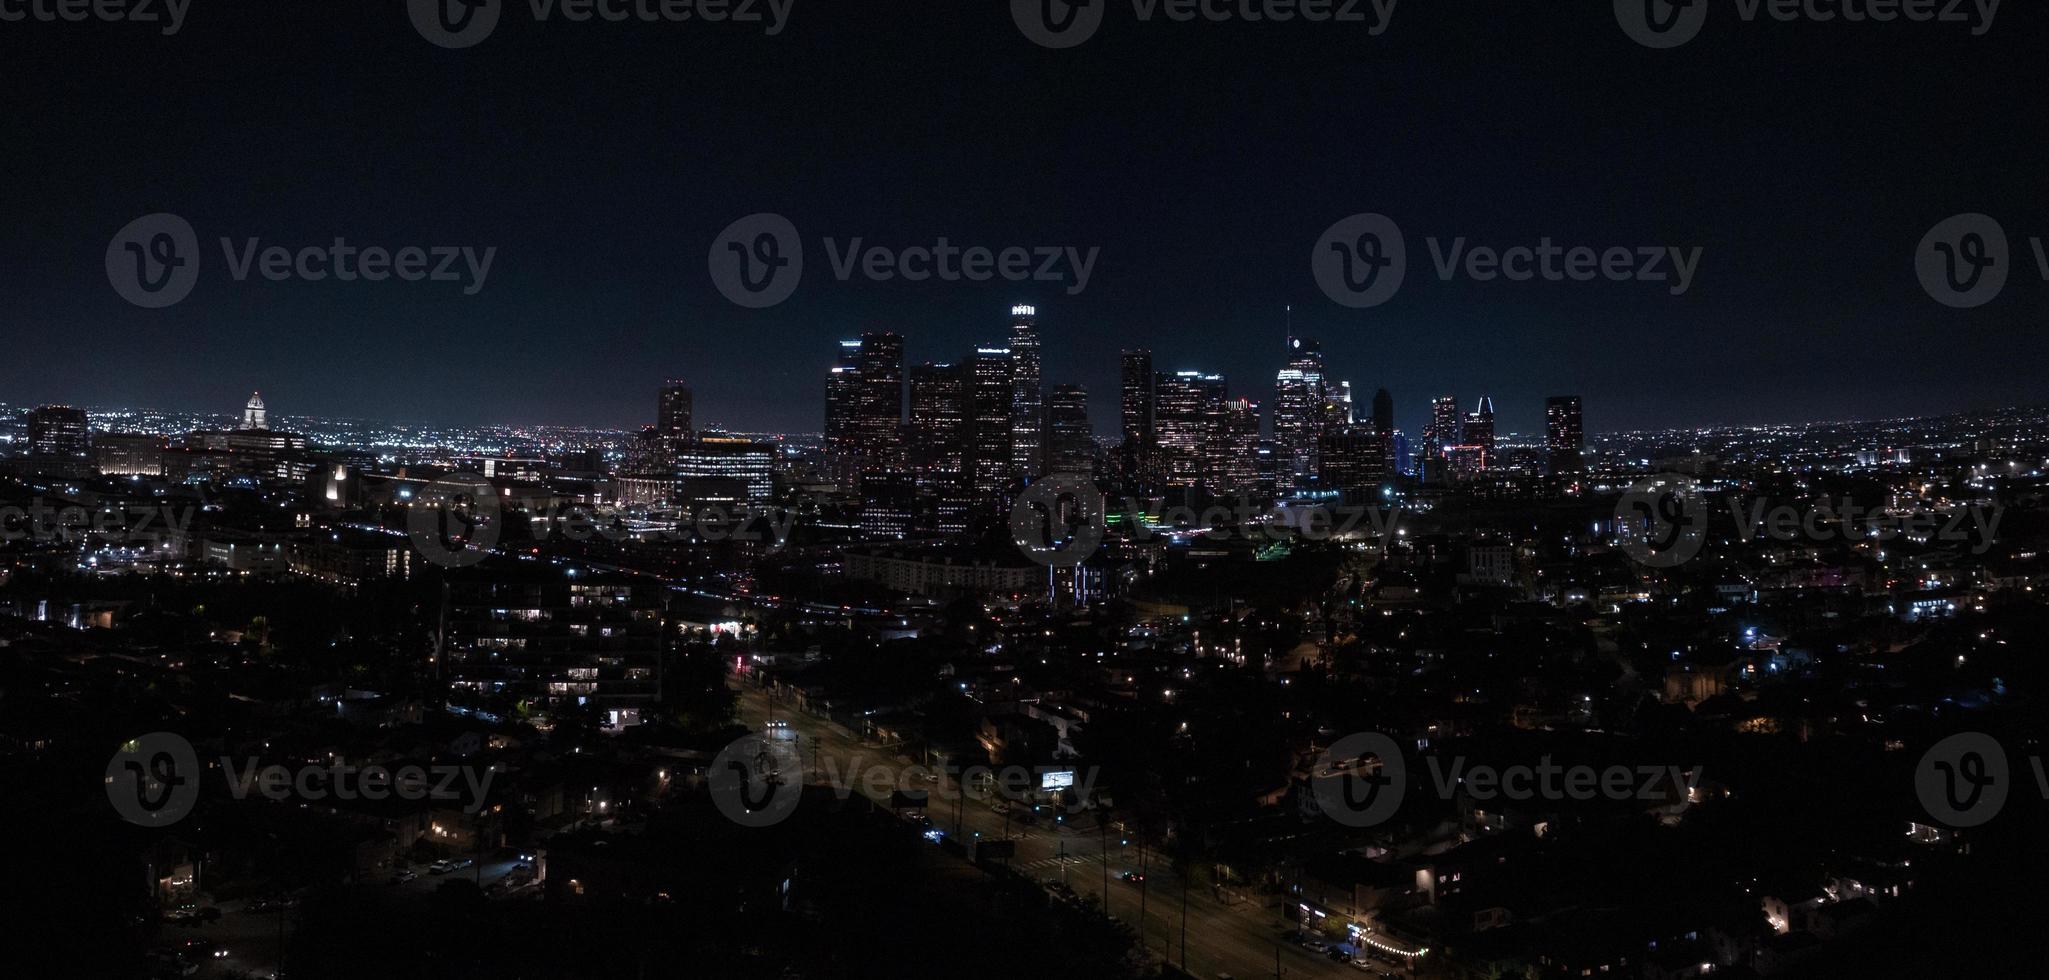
[(1240, 940)]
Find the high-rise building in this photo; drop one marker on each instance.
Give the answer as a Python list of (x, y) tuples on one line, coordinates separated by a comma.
[(1383, 429), (1188, 413), (1565, 434), (254, 415), (673, 413), (936, 432), (1300, 412), (1027, 406), (1443, 430), (864, 406), (1136, 410), (991, 389), (1337, 404), (1353, 459), (1476, 439), (58, 432), (841, 392), (1233, 450), (1070, 445)]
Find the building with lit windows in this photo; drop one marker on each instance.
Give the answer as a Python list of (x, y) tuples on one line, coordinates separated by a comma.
[(554, 641), (1027, 405)]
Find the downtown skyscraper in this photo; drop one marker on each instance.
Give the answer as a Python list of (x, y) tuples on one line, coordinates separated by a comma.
[(991, 390), (864, 406), (1070, 445), (673, 414), (937, 431), (1136, 412), (1300, 410), (1027, 403), (1188, 419), (1564, 434)]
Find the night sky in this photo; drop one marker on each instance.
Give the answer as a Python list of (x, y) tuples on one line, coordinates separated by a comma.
[(1204, 160)]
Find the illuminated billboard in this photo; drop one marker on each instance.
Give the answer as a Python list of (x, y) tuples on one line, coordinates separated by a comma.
[(1049, 781)]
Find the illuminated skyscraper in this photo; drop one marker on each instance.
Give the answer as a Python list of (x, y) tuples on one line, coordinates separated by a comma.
[(1565, 434), (1443, 430), (1028, 400), (938, 423), (1137, 410), (1188, 416), (1383, 429), (991, 389), (1233, 449), (1070, 445), (673, 414), (864, 406), (1299, 408), (1476, 440)]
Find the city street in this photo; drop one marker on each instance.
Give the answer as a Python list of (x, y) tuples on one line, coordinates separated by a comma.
[(1240, 940)]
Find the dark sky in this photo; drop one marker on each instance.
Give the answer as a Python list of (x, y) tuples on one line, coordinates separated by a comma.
[(1204, 160)]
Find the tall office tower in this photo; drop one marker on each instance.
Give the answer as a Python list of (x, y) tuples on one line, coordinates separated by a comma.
[(1479, 431), (58, 432), (1188, 410), (938, 426), (1028, 399), (1070, 445), (555, 639), (1564, 434), (1443, 428), (879, 408), (1383, 428), (1353, 459), (841, 392), (1299, 409), (1233, 449), (991, 387), (1136, 410), (672, 413), (254, 415)]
